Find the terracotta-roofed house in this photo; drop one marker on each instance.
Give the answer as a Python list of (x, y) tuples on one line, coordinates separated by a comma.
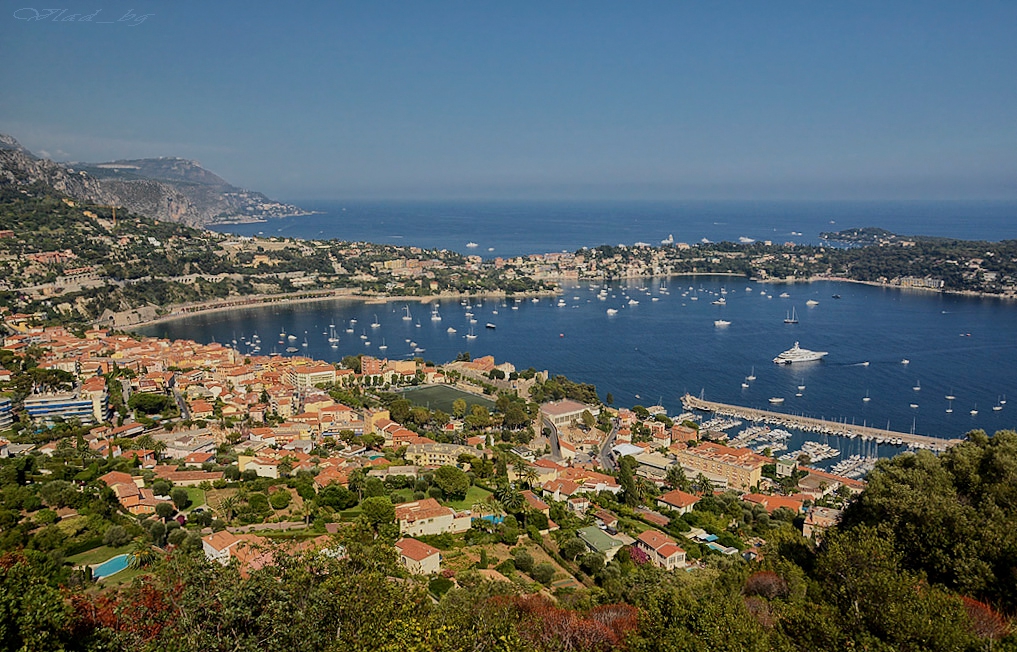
[(662, 549), (429, 517), (678, 501), (418, 557)]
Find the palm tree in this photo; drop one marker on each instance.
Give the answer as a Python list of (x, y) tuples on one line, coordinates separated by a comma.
[(227, 505), (530, 476), (142, 554), (677, 479), (703, 484), (509, 498)]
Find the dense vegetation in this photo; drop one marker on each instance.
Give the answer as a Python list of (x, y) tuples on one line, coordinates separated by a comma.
[(924, 560)]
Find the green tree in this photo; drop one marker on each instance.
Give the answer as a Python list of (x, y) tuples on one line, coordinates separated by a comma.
[(676, 478), (543, 573), (280, 499), (459, 408), (378, 510), (116, 536), (164, 510), (454, 483), (180, 498)]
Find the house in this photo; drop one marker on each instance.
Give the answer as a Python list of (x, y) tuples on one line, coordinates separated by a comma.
[(662, 550), (535, 504), (773, 503), (578, 504), (418, 557), (217, 545), (606, 519), (678, 501), (597, 540), (818, 521), (429, 517), (197, 459)]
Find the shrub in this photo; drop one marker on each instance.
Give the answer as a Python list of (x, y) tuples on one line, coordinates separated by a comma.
[(543, 573), (116, 536), (506, 568), (523, 560), (280, 499), (439, 586)]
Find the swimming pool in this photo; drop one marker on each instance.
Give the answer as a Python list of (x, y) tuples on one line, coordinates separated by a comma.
[(111, 566)]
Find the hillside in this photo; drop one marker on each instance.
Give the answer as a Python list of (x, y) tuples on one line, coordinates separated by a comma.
[(169, 189)]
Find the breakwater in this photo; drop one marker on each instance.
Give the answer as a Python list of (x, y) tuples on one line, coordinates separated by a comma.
[(822, 426)]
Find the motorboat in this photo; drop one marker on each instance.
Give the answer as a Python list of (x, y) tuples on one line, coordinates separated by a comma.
[(798, 354)]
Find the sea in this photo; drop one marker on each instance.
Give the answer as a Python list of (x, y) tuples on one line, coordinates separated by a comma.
[(662, 342), (518, 228)]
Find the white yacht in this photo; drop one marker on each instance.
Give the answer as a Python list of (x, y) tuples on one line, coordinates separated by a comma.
[(777, 400), (798, 354), (812, 302), (612, 311), (721, 323), (435, 316)]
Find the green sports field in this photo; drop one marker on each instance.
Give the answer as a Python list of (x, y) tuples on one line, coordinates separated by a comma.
[(440, 397)]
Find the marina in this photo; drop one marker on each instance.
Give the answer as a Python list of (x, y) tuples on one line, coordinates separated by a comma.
[(822, 426)]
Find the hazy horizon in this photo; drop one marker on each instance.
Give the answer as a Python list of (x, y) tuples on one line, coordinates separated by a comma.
[(572, 101)]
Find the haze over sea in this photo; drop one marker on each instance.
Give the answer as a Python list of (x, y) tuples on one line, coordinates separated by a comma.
[(513, 228), (657, 350)]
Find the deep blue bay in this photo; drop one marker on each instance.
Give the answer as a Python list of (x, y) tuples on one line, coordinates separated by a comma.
[(666, 344)]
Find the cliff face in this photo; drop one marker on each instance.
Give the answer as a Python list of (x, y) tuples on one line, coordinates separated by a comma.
[(170, 189)]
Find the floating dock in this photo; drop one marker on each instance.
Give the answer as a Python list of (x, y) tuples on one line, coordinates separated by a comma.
[(819, 425)]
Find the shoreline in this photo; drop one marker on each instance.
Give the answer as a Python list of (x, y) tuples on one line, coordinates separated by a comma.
[(184, 311)]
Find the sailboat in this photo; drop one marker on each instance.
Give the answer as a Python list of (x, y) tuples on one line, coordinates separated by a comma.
[(791, 318), (376, 323), (383, 345), (950, 396), (332, 337), (866, 398), (471, 335), (949, 407), (918, 386), (407, 317), (752, 374), (434, 313), (998, 406), (974, 410)]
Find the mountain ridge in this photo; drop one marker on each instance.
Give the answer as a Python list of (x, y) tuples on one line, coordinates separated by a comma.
[(165, 188)]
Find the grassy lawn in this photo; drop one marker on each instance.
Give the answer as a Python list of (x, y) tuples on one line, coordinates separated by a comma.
[(97, 555), (474, 495), (196, 496), (406, 494), (123, 577), (440, 397)]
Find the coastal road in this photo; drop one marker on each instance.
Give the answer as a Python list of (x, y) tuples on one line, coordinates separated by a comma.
[(125, 391), (185, 412), (555, 446), (606, 462)]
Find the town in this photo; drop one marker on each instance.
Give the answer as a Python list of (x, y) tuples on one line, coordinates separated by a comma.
[(525, 477)]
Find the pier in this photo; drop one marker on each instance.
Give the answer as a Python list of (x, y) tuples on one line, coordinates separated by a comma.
[(822, 426)]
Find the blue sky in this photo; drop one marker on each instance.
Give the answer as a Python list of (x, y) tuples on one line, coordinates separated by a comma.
[(587, 100)]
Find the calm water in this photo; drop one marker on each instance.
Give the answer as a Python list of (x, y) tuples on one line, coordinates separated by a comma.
[(514, 228), (657, 350)]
